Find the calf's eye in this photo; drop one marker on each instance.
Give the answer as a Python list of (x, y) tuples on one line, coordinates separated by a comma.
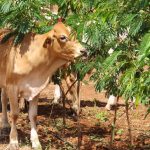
[(63, 38)]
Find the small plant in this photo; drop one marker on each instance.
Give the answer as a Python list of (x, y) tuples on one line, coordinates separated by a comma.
[(58, 124), (49, 146), (119, 132), (102, 116), (97, 124), (25, 142), (96, 138), (95, 102)]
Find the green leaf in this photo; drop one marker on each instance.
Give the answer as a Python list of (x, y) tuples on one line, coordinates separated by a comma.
[(145, 44)]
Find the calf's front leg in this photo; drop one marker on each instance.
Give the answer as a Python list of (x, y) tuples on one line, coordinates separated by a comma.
[(33, 104), (12, 94), (57, 94)]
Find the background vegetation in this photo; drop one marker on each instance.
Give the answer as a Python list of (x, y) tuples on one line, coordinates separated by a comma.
[(115, 32)]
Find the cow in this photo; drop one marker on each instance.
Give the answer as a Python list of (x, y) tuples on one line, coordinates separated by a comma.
[(70, 80), (112, 101), (26, 69)]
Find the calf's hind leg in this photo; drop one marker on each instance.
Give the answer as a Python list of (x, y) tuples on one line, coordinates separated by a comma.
[(73, 91), (4, 118)]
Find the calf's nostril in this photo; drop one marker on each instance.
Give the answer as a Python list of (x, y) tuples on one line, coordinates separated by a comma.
[(83, 51)]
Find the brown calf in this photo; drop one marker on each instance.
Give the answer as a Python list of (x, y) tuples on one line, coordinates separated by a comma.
[(26, 69)]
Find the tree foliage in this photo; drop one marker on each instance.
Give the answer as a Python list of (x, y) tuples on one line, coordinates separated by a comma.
[(115, 32)]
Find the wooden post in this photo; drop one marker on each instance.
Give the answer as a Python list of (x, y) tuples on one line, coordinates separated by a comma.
[(64, 108), (78, 114)]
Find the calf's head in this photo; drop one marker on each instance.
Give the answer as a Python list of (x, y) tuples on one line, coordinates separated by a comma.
[(60, 43)]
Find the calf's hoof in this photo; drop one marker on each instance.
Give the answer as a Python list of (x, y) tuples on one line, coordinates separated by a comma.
[(13, 146), (38, 147), (108, 107), (75, 108)]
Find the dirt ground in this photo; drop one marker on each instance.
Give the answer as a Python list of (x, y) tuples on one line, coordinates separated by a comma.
[(95, 123)]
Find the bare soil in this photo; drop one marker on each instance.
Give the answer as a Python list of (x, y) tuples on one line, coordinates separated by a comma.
[(95, 122)]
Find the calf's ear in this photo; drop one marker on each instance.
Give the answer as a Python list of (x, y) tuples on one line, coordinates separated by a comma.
[(47, 42)]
